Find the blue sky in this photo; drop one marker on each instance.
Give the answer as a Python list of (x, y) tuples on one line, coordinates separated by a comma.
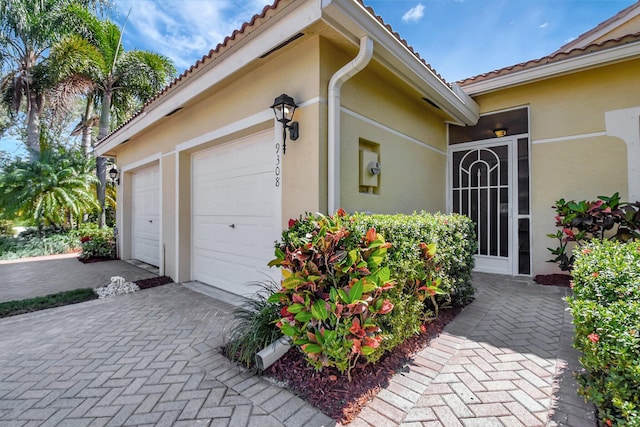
[(460, 38)]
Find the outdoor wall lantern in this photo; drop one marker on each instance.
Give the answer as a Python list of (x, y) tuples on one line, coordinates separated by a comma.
[(500, 132), (113, 174), (284, 107)]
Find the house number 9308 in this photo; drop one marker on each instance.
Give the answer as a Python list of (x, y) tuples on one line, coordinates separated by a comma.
[(277, 169)]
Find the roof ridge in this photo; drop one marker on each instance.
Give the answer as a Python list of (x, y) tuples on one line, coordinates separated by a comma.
[(598, 27), (552, 58)]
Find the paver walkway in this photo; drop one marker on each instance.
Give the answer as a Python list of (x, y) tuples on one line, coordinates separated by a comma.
[(151, 358), (148, 358), (30, 278), (506, 360)]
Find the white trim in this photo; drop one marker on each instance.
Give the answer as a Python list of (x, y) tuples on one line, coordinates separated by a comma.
[(595, 33), (353, 21), (285, 23), (625, 124), (569, 138), (391, 130), (160, 228), (142, 162), (169, 153), (237, 126), (177, 216), (554, 69)]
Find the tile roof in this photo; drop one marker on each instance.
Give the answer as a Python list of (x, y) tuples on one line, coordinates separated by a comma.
[(401, 40), (226, 43), (238, 34), (554, 57)]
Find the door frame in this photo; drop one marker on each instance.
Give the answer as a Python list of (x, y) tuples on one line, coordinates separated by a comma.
[(511, 141)]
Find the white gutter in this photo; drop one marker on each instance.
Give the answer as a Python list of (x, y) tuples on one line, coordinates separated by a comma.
[(333, 144)]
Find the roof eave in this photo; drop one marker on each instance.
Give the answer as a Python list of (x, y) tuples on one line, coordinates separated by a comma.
[(555, 69), (216, 69), (353, 21)]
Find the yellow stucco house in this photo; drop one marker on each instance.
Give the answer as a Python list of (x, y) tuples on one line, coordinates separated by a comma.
[(206, 186)]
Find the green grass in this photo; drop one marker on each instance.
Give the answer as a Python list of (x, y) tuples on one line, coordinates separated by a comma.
[(12, 308)]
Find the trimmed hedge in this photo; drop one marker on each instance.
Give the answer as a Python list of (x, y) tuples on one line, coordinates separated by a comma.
[(606, 312), (96, 242), (357, 286)]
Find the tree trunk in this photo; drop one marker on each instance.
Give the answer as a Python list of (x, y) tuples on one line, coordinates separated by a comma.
[(101, 162), (87, 121), (33, 127)]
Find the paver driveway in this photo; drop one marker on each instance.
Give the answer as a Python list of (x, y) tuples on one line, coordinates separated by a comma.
[(147, 358)]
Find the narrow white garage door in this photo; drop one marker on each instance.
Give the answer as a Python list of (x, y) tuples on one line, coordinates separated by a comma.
[(146, 216), (236, 213)]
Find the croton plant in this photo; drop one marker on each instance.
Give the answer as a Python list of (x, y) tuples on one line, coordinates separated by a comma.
[(334, 291)]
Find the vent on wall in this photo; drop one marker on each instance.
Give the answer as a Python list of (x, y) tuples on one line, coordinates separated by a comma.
[(281, 45), (430, 102)]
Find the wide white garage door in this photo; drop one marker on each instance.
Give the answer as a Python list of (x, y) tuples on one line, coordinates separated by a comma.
[(146, 216), (236, 210)]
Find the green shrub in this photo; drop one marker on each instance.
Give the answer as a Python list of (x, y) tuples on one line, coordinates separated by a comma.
[(96, 242), (37, 243), (358, 286), (253, 325), (606, 312)]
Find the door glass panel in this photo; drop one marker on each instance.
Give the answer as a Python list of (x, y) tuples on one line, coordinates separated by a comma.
[(524, 251), (523, 176), (480, 185)]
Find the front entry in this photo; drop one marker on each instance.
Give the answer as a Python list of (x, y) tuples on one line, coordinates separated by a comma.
[(482, 188)]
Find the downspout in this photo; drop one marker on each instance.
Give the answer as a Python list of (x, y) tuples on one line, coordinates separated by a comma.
[(333, 144)]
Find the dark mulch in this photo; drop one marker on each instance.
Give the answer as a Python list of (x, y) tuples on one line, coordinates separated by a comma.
[(153, 282), (333, 394), (563, 280), (96, 259)]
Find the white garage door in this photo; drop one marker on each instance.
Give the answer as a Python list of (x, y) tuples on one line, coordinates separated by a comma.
[(146, 216), (236, 213)]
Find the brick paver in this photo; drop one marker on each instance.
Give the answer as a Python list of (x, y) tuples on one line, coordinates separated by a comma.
[(148, 358), (506, 360), (21, 279)]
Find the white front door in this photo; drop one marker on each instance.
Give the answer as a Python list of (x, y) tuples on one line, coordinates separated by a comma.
[(146, 215), (236, 213), (482, 188)]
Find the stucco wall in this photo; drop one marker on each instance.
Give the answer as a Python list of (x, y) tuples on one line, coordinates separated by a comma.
[(378, 109), (567, 160), (230, 102)]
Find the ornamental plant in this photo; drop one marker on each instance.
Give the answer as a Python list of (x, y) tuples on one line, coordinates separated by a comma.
[(334, 291), (606, 314), (583, 221)]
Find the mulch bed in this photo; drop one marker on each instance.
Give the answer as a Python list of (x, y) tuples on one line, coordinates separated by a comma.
[(333, 394), (153, 282), (96, 259), (563, 280)]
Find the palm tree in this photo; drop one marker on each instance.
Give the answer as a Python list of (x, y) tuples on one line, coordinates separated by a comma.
[(56, 189), (122, 81), (28, 29)]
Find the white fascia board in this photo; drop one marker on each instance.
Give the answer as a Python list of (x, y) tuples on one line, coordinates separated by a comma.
[(555, 69), (281, 27), (595, 35), (353, 21)]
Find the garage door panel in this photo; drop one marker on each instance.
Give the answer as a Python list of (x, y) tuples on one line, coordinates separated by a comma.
[(236, 213), (146, 215)]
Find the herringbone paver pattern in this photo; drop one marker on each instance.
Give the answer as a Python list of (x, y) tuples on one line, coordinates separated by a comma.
[(506, 360), (148, 358)]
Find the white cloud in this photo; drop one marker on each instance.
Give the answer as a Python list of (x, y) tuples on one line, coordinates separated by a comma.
[(414, 14), (545, 25), (183, 30)]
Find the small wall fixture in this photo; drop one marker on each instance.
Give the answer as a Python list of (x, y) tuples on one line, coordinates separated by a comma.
[(114, 175), (284, 108), (500, 132)]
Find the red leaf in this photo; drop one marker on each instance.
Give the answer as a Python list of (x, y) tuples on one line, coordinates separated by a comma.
[(357, 346), (371, 235), (292, 222), (341, 212), (387, 306)]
